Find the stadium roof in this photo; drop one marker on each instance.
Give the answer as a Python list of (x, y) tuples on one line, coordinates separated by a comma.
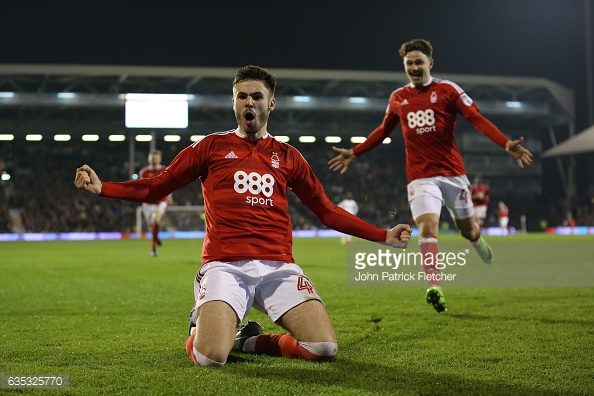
[(583, 142), (312, 101)]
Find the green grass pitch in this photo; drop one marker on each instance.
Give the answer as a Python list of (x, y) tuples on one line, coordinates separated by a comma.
[(114, 319)]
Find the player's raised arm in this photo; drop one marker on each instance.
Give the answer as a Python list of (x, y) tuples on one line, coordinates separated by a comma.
[(87, 181)]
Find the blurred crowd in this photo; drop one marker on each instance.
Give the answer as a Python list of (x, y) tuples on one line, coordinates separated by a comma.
[(40, 195)]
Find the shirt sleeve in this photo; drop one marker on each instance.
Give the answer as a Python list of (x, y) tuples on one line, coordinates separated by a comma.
[(341, 220), (378, 135), (310, 191), (142, 190), (487, 128), (184, 169), (469, 110)]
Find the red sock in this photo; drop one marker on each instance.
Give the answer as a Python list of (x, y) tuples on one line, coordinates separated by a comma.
[(284, 345), (190, 348), (155, 231), (428, 248)]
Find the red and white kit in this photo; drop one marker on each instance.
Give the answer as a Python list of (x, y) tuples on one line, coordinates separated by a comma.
[(245, 186), (428, 118)]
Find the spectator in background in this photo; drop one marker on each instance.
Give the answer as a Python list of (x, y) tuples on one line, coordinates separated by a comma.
[(350, 205)]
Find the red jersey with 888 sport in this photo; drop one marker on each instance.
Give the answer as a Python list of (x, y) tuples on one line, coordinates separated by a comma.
[(428, 117), (245, 184)]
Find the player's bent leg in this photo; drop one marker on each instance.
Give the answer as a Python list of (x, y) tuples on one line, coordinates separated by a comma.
[(428, 227), (212, 340), (198, 358), (311, 337), (468, 228), (470, 231), (308, 322)]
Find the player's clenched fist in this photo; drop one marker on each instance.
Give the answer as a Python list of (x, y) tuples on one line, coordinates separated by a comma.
[(87, 181), (399, 236)]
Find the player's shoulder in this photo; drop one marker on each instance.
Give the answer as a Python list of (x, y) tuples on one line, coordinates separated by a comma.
[(214, 137), (446, 84), (285, 149), (401, 90)]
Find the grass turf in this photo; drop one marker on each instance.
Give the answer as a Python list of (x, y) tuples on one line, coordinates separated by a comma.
[(114, 319)]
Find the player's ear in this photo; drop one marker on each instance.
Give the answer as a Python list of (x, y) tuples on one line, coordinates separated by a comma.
[(431, 64), (272, 104)]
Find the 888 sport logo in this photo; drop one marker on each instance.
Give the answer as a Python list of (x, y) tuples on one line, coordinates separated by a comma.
[(255, 184), (422, 120)]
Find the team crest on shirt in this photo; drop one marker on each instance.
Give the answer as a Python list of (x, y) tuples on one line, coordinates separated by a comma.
[(433, 97), (274, 160)]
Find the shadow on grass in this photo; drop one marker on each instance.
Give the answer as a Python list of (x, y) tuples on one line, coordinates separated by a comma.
[(352, 376)]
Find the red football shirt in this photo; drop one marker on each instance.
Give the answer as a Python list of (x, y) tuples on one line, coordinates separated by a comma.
[(245, 187), (480, 194), (428, 117), (148, 172)]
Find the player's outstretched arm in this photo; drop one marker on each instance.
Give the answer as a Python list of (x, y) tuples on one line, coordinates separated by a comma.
[(87, 181), (399, 236), (522, 155), (343, 160)]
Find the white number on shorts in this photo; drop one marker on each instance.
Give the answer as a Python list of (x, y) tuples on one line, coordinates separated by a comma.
[(463, 196)]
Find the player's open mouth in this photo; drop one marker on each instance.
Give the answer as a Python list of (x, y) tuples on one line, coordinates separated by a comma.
[(249, 117), (416, 74)]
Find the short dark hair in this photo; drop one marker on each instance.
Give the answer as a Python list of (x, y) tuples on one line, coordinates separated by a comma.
[(416, 45), (256, 73)]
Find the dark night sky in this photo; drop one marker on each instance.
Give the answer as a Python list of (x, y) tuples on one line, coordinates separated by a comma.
[(537, 38)]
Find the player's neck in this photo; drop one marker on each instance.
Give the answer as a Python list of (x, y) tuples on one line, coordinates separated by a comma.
[(424, 84), (254, 137)]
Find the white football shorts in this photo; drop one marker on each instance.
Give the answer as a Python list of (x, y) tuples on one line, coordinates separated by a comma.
[(428, 195), (480, 212), (149, 209), (272, 287)]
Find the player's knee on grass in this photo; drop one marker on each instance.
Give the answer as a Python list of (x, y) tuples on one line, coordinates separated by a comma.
[(198, 358), (202, 360), (320, 350)]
